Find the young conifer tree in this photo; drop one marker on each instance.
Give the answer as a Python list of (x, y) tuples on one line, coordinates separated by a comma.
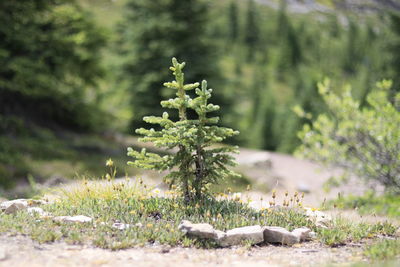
[(198, 162)]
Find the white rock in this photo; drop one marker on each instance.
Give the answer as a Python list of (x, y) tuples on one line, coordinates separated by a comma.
[(73, 219), (37, 210), (274, 234), (12, 206), (121, 226), (252, 234), (312, 235), (201, 230), (140, 225), (302, 187), (321, 219), (302, 233)]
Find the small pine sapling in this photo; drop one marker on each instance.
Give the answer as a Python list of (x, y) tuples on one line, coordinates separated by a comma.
[(198, 162)]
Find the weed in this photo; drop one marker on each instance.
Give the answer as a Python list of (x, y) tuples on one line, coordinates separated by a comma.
[(343, 231), (383, 250)]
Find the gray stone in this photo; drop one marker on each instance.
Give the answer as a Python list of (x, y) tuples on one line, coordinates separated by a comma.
[(220, 234), (274, 234), (12, 206), (73, 219), (302, 233), (121, 226), (140, 225), (312, 235), (201, 230), (252, 234)]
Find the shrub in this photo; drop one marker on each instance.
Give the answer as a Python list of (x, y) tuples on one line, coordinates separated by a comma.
[(364, 141), (198, 163)]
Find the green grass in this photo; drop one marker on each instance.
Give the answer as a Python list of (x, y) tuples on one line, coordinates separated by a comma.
[(388, 205), (342, 231), (132, 202), (384, 250)]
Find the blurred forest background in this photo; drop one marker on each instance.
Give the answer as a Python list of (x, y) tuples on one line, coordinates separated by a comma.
[(76, 77)]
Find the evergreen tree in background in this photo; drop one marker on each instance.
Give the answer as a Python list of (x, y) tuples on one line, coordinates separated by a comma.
[(233, 21), (395, 51), (198, 163), (252, 31), (290, 51), (352, 54), (152, 33), (49, 62)]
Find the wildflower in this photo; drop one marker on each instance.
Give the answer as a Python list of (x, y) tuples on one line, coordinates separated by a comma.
[(109, 163), (248, 187), (274, 194), (286, 193), (236, 196), (133, 212), (149, 225), (156, 191), (219, 216)]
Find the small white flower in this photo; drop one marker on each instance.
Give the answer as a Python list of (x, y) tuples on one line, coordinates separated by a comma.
[(156, 191)]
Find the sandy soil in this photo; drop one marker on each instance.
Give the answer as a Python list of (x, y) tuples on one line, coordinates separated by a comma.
[(22, 252)]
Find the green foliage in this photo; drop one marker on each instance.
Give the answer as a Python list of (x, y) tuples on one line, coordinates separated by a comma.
[(394, 47), (342, 231), (198, 163), (387, 205), (251, 36), (364, 141), (233, 21), (151, 34), (384, 250), (49, 61)]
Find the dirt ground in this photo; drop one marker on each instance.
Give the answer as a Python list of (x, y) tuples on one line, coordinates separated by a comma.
[(21, 251)]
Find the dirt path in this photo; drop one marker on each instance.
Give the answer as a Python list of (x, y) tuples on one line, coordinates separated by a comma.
[(287, 173), (21, 252)]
